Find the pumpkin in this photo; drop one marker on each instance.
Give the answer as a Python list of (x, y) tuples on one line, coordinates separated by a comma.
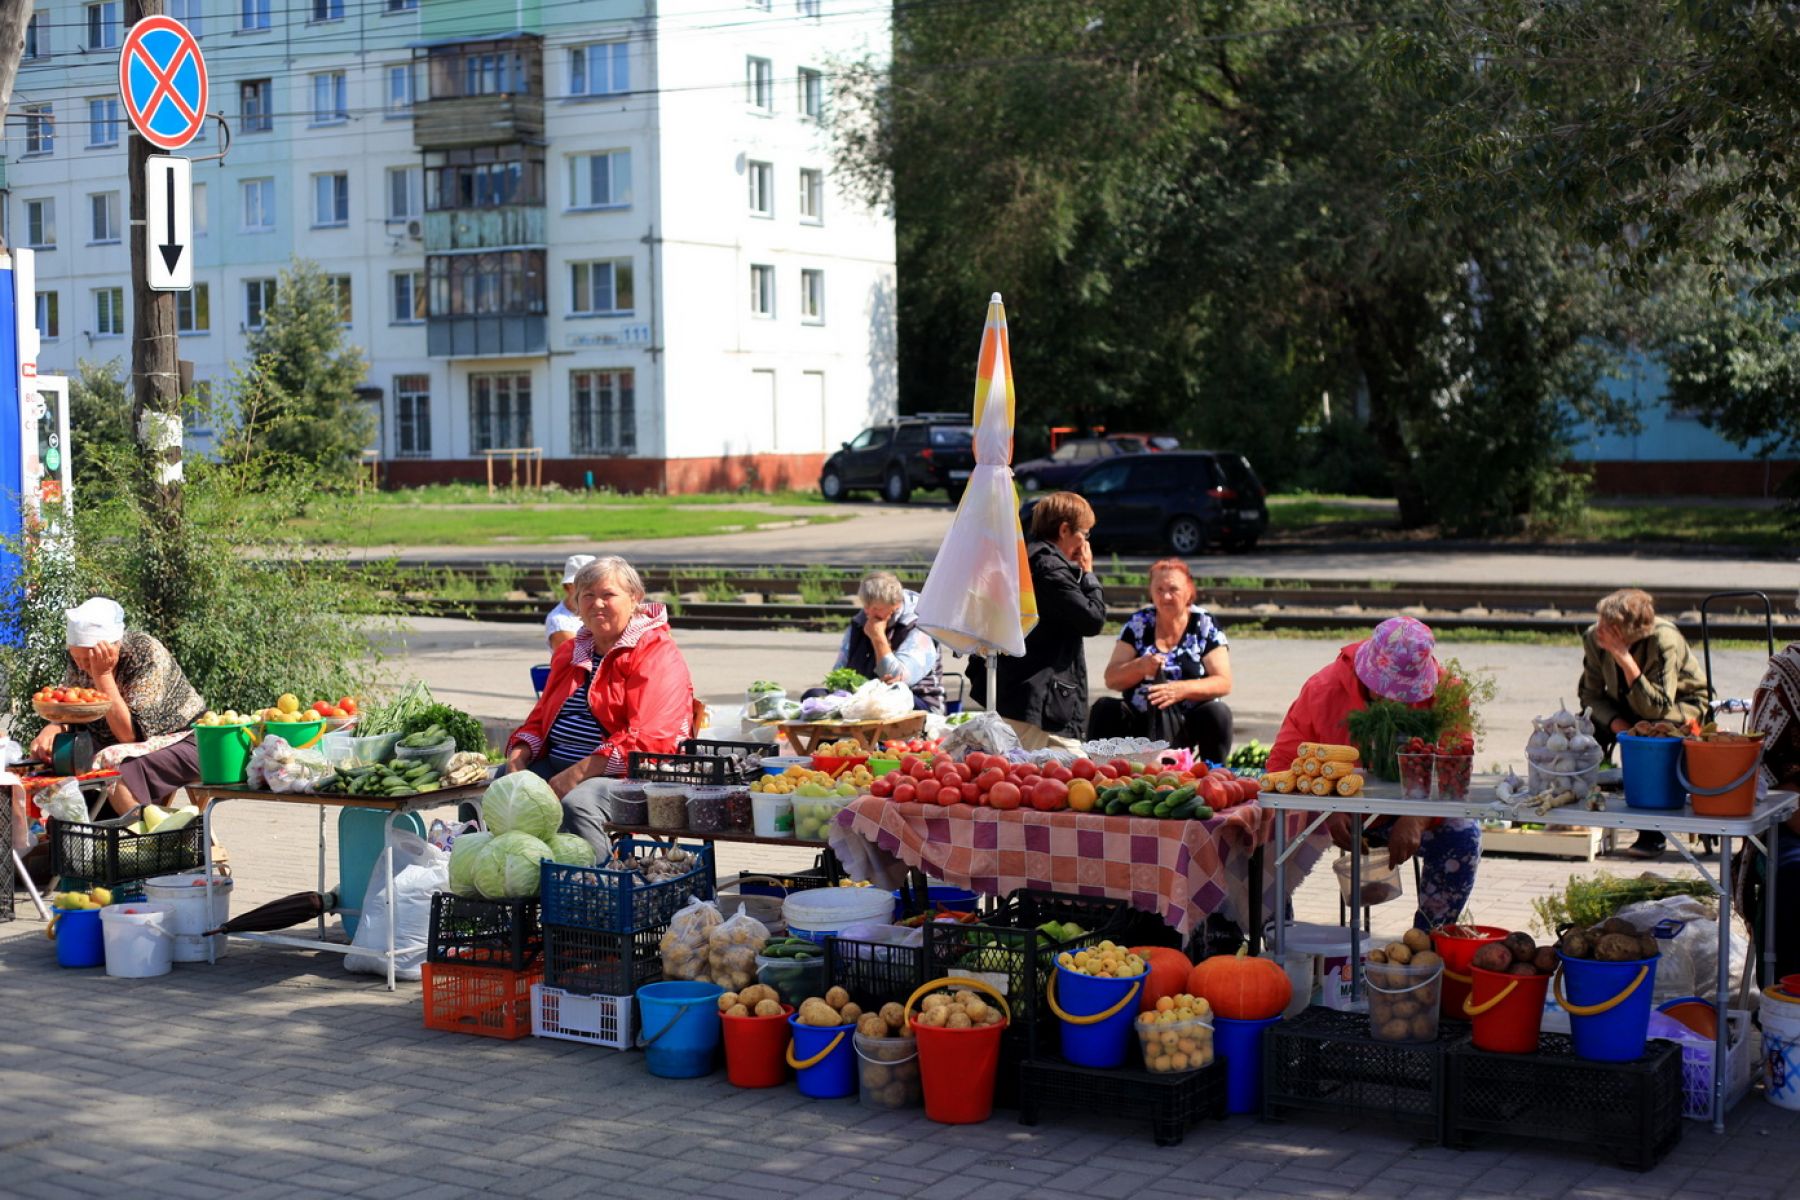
[(1168, 974), (1241, 988)]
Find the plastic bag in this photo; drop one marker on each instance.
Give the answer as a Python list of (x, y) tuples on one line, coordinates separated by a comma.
[(878, 701), (24, 837), (420, 869), (1689, 963), (64, 802), (685, 946), (731, 950), (987, 732)]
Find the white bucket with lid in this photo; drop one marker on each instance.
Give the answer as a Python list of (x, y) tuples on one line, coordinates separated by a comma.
[(1781, 1047), (138, 943), (819, 913), (189, 918), (773, 814)]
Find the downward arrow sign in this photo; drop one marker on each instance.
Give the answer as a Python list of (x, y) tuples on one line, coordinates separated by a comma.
[(170, 248)]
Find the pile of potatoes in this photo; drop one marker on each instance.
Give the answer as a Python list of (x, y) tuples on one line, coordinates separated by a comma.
[(1613, 940), (836, 1008), (959, 1010), (1403, 1005), (757, 1000), (1518, 955), (887, 1059)]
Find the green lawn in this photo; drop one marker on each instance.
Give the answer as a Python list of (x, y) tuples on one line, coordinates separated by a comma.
[(1298, 510), (1757, 527), (460, 494), (578, 524)]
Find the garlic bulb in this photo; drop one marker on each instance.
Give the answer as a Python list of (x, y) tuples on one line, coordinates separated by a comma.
[(1556, 743)]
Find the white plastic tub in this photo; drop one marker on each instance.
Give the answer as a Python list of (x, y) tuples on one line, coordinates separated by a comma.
[(138, 942), (773, 814), (189, 918), (821, 912)]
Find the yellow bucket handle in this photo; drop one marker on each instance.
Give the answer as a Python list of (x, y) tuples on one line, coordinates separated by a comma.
[(1050, 995), (1594, 1010), (1453, 976), (1470, 1010), (50, 929), (816, 1059), (954, 981)]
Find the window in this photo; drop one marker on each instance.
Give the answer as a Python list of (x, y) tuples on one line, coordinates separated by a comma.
[(489, 283), (765, 5), (484, 177), (201, 220), (109, 312), (103, 121), (40, 224), (193, 310), (37, 41), (40, 129), (259, 297), (812, 297), (759, 84), (103, 25), (405, 189), (762, 188), (600, 288), (340, 285), (49, 318), (808, 8), (259, 205), (600, 180), (328, 10), (499, 411), (401, 90), (331, 102), (602, 412), (493, 73), (255, 14), (402, 6), (868, 439), (602, 69), (487, 68), (409, 297), (812, 195), (188, 13), (762, 291), (197, 408), (256, 113), (331, 199), (412, 416), (103, 209), (812, 93)]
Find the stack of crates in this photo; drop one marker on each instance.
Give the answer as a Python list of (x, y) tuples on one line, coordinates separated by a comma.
[(482, 959)]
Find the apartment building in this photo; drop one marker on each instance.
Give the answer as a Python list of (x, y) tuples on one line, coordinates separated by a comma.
[(607, 229)]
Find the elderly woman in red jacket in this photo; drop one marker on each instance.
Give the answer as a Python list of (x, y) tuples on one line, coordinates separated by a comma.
[(620, 685)]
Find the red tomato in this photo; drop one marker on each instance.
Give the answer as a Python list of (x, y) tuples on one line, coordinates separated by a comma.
[(1060, 774), (927, 790), (1251, 788), (969, 792), (881, 787), (1048, 795), (1200, 770), (1005, 795), (907, 761), (975, 761), (1212, 792), (1028, 769), (964, 771), (1106, 771), (946, 772), (988, 778), (1084, 768), (1120, 767), (918, 770), (905, 793)]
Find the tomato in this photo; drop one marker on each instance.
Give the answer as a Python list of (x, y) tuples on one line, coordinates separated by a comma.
[(1121, 768), (1028, 769), (975, 761), (969, 792), (905, 793), (946, 773), (1060, 774), (1084, 768), (1005, 795), (1082, 795), (988, 778), (927, 790), (918, 770), (963, 771), (1212, 792), (907, 761), (1200, 770), (881, 787), (1251, 788), (1106, 772), (1048, 795)]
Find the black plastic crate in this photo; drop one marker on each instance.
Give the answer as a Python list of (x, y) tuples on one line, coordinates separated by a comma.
[(613, 900), (1631, 1109), (593, 962), (1327, 1061), (704, 769), (487, 933), (780, 883), (7, 882), (874, 972), (723, 749), (1170, 1102), (103, 853)]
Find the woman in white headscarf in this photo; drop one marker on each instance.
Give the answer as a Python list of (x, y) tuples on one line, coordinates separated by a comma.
[(148, 732)]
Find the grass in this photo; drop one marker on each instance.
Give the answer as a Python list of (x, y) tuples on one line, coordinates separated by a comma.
[(1708, 525), (1299, 510), (576, 524), (460, 494)]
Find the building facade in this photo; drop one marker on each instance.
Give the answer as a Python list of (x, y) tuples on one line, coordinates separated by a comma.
[(605, 229)]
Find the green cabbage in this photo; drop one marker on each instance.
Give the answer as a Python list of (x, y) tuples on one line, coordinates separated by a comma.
[(465, 851), (572, 849), (507, 867), (523, 803)]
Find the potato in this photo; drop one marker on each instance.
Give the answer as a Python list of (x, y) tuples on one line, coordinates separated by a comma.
[(756, 993), (906, 1030), (851, 1013), (962, 998), (1393, 1031), (896, 1095), (1424, 1026), (1403, 1010), (1618, 947), (1416, 940), (768, 1008), (936, 1017), (1522, 969), (1400, 953), (1378, 956), (1521, 945), (1493, 957), (893, 1014), (958, 1019), (872, 1026), (991, 1017), (737, 1010), (816, 1012), (1618, 925), (1426, 958), (1575, 944), (1544, 960), (874, 1075), (726, 1000), (1647, 946), (976, 1010), (908, 1071), (931, 1003), (837, 997)]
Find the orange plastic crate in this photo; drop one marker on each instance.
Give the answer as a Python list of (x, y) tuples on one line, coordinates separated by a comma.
[(486, 1001)]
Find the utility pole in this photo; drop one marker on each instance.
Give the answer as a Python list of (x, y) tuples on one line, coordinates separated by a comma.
[(14, 16)]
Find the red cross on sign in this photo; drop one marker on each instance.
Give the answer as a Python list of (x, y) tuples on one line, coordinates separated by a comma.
[(162, 79)]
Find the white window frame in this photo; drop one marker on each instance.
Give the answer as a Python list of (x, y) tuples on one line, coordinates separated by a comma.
[(398, 103), (109, 31), (253, 16), (759, 85), (190, 13), (345, 289), (810, 93), (411, 193), (584, 283), (262, 119), (588, 385), (331, 209), (109, 302), (46, 220), (420, 401), (105, 231), (599, 69), (762, 291), (198, 302), (812, 296), (40, 130), (581, 181), (103, 121), (809, 8), (37, 36), (760, 176), (202, 214), (400, 6), (515, 386), (264, 186), (265, 299), (324, 11), (46, 312), (812, 196), (336, 107), (415, 292)]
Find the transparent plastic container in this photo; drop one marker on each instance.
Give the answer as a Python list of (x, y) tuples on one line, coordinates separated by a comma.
[(793, 978), (1403, 1001), (1415, 771), (436, 757), (667, 805), (813, 816), (706, 809), (888, 1073), (1172, 1047), (1380, 882), (1453, 773)]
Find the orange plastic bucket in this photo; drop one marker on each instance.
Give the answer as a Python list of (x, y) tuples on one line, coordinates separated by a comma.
[(1508, 1010), (756, 1049), (1720, 777), (1456, 945), (958, 1067)]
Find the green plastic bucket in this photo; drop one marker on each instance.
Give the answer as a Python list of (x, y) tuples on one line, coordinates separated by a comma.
[(224, 753)]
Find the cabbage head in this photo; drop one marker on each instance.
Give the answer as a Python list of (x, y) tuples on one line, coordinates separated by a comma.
[(571, 849), (523, 803), (507, 867), (464, 852)]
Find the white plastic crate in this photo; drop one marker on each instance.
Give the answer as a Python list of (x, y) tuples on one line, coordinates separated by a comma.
[(595, 1020), (1697, 1068)]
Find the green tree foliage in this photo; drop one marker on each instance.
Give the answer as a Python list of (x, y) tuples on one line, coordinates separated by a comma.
[(99, 428)]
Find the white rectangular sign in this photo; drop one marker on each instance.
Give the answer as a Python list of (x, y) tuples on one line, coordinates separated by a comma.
[(169, 222)]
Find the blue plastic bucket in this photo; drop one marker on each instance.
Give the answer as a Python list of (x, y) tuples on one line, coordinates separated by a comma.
[(1240, 1045), (1624, 990), (823, 1058), (680, 1027), (943, 895), (1100, 1043), (1649, 765), (79, 941)]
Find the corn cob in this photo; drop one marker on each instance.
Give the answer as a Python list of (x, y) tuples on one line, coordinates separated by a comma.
[(1336, 753), (1309, 767), (1337, 770), (1272, 781), (1321, 787), (1350, 785)]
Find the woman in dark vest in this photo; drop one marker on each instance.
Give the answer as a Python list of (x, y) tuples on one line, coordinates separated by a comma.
[(884, 641)]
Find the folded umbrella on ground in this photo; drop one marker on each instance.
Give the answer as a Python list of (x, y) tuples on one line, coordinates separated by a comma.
[(284, 913)]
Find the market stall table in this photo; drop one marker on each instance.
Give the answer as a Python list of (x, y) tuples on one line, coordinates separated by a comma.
[(210, 798), (1383, 799), (832, 870)]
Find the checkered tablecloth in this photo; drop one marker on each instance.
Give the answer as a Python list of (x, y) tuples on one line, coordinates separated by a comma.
[(1180, 870)]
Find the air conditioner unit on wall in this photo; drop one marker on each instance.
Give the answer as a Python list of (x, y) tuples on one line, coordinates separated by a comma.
[(415, 230)]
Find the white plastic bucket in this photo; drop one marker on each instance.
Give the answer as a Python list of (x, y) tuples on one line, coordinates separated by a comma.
[(138, 944), (773, 814), (189, 919), (819, 913), (1781, 1047)]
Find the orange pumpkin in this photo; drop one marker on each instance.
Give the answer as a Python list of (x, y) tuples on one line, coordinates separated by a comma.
[(1241, 988), (1168, 974)]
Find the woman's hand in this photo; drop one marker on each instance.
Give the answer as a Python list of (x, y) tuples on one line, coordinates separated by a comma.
[(1620, 725), (45, 742), (1403, 839), (1148, 664), (1338, 826), (1084, 556), (102, 660), (518, 758), (1610, 640), (1162, 695), (564, 781)]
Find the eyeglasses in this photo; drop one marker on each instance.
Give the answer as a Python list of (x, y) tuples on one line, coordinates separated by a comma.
[(1085, 535)]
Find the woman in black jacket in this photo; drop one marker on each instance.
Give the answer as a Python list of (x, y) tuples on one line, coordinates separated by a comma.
[(1044, 695)]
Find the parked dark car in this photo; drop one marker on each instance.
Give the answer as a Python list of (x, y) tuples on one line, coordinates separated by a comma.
[(1179, 500), (1070, 459), (931, 450)]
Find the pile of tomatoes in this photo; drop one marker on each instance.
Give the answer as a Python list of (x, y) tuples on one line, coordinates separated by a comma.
[(69, 695), (913, 745)]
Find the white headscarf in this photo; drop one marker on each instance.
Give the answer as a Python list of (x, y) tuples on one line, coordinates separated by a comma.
[(95, 621)]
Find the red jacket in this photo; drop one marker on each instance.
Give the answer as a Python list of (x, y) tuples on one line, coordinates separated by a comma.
[(1318, 713), (642, 695)]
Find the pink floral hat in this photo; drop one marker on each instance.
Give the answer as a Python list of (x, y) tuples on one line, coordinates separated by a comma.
[(1396, 662)]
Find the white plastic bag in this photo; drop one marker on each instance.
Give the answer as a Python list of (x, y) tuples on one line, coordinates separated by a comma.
[(420, 869), (987, 732), (64, 802), (685, 945), (1689, 963), (878, 701)]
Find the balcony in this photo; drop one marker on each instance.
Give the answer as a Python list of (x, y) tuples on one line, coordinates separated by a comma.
[(486, 336), (485, 228), (459, 121)]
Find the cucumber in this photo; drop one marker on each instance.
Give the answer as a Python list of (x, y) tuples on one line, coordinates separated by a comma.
[(1143, 808)]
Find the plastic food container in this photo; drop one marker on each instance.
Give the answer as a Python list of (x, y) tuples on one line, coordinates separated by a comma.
[(1403, 1001), (667, 805), (1380, 882), (888, 1072), (436, 757), (813, 816), (773, 814), (625, 803), (740, 813), (1171, 1047), (706, 809), (1415, 771), (794, 978), (1452, 773), (820, 912)]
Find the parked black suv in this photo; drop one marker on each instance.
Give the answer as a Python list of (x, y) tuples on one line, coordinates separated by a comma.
[(931, 450), (1181, 500)]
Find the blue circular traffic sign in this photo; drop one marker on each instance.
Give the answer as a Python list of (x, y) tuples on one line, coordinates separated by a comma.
[(162, 79)]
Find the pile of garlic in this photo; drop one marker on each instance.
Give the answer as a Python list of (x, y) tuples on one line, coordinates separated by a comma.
[(1563, 753)]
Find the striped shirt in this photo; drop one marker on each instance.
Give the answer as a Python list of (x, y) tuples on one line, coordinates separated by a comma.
[(575, 734)]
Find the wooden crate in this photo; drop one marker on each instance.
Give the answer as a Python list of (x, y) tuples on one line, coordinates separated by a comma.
[(804, 735), (1582, 844)]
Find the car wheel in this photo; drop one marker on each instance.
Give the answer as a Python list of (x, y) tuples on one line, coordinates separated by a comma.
[(1030, 483), (895, 490), (1186, 535), (831, 486)]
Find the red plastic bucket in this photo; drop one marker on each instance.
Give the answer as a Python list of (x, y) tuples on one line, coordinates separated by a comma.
[(1456, 945), (1720, 777), (756, 1049), (958, 1067), (1508, 1010)]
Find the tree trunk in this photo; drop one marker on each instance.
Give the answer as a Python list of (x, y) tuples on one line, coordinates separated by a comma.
[(14, 16), (1380, 366)]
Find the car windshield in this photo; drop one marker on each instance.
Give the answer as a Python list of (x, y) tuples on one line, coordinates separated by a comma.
[(953, 437), (1067, 452)]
